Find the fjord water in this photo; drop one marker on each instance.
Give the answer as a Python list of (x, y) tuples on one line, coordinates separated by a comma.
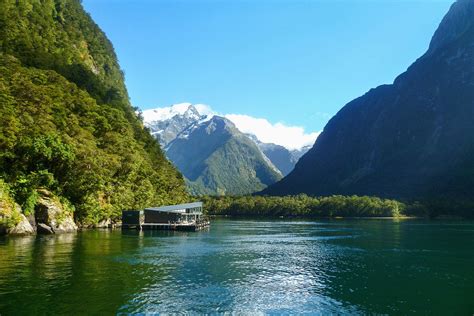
[(247, 266)]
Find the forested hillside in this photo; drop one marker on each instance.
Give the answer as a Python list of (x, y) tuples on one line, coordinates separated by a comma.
[(66, 124)]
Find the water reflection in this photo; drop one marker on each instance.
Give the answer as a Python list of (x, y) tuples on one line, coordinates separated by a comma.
[(251, 267), (248, 267)]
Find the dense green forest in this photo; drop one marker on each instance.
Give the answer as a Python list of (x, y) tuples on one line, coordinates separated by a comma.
[(306, 206), (66, 123)]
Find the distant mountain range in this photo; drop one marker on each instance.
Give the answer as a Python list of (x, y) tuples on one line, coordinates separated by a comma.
[(411, 139), (213, 155), (283, 158)]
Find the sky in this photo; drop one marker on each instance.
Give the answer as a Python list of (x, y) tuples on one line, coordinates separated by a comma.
[(291, 63)]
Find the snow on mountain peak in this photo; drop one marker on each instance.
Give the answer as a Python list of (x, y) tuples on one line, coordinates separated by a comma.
[(166, 113), (179, 116)]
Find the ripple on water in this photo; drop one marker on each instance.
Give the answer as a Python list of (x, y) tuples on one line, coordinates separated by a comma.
[(248, 267)]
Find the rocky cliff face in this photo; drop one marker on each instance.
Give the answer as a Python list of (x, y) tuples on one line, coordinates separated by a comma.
[(52, 216), (414, 138), (455, 24)]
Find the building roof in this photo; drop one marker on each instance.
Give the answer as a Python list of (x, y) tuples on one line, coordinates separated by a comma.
[(179, 208)]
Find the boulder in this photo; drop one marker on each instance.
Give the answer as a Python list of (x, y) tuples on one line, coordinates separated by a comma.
[(22, 228), (51, 212), (67, 225), (44, 229)]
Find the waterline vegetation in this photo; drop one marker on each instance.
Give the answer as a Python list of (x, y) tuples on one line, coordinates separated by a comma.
[(303, 205)]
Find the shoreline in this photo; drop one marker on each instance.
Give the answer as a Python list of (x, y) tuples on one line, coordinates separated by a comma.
[(118, 226), (441, 217)]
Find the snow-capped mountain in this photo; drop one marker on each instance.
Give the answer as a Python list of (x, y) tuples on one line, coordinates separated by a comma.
[(216, 158), (167, 123), (176, 127)]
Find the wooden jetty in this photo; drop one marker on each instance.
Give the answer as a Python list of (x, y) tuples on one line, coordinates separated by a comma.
[(185, 217)]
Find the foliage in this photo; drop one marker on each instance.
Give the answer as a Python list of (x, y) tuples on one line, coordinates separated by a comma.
[(303, 205), (24, 188), (9, 211), (65, 120), (59, 35)]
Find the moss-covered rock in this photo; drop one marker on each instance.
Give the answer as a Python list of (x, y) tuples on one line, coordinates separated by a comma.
[(22, 228), (12, 221), (50, 211)]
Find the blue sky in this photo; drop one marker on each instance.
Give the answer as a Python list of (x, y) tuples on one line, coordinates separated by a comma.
[(293, 62)]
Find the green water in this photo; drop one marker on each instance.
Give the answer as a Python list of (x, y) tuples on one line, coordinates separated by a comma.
[(248, 267)]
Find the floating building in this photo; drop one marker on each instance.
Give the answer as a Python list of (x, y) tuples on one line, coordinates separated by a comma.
[(187, 216)]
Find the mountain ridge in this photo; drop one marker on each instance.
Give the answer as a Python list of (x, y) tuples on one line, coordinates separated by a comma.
[(173, 124), (216, 158), (410, 139)]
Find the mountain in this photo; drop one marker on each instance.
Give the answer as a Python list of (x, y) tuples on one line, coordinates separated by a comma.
[(411, 139), (178, 126), (166, 123), (66, 125), (296, 154), (216, 158), (283, 158)]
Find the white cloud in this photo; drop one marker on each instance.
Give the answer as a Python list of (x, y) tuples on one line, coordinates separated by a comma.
[(291, 137), (204, 109)]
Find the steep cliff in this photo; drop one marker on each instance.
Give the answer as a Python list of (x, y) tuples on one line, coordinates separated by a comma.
[(66, 124), (411, 139)]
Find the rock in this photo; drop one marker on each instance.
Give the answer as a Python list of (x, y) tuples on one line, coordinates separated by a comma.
[(22, 228), (66, 226), (50, 211), (106, 223), (454, 25), (31, 219), (44, 229)]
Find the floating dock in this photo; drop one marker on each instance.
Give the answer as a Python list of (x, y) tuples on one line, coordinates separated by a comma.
[(192, 227), (184, 217)]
